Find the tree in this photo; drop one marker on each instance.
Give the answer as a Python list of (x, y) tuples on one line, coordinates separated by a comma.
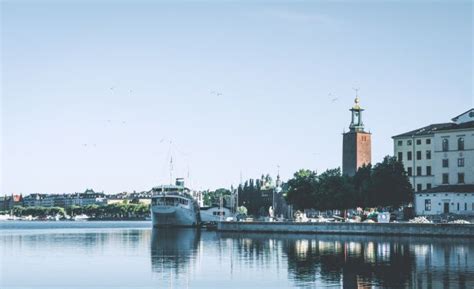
[(302, 189), (334, 191), (389, 184), (362, 185)]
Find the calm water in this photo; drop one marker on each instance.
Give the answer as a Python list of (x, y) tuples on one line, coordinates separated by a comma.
[(131, 255)]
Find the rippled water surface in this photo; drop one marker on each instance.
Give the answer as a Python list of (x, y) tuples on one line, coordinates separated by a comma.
[(131, 255)]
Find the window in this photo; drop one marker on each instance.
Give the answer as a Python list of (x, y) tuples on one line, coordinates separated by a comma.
[(445, 178), (409, 172), (418, 187), (445, 144), (418, 141), (465, 206), (409, 156), (461, 162), (428, 170), (428, 205), (458, 206), (418, 171), (428, 155), (418, 155), (428, 141), (460, 178), (445, 163), (461, 144), (409, 142), (400, 156), (400, 143), (428, 186)]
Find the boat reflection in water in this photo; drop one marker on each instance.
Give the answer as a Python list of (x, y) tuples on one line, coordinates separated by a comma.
[(190, 258), (172, 250)]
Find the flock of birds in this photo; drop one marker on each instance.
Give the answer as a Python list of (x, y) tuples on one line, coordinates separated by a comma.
[(332, 97)]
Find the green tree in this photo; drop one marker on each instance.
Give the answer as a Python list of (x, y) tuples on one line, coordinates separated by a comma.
[(302, 189), (389, 184)]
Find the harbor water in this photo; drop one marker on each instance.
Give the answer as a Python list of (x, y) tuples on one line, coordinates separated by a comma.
[(132, 255)]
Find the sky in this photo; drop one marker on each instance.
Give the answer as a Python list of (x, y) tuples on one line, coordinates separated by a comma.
[(100, 94)]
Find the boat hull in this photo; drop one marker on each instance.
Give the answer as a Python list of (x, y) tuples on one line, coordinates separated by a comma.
[(171, 216)]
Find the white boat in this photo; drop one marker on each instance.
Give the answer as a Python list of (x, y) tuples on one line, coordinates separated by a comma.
[(81, 217), (173, 206), (215, 214)]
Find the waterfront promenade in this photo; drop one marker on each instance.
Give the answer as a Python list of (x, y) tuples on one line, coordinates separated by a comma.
[(393, 229)]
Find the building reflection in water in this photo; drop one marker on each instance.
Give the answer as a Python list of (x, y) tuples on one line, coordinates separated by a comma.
[(366, 262)]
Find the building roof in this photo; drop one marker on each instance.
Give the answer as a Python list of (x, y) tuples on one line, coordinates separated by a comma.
[(467, 111), (449, 189), (432, 128)]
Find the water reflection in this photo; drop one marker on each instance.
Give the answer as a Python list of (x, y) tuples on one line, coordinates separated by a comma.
[(360, 262), (172, 250), (115, 256)]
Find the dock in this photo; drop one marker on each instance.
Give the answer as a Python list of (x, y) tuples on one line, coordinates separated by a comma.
[(389, 229)]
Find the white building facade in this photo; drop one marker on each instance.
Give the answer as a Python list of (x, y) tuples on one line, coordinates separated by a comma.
[(439, 160)]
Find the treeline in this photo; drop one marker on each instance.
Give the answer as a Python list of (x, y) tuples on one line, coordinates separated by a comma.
[(385, 184), (111, 211), (214, 197)]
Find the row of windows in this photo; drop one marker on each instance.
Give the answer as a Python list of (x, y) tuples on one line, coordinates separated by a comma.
[(460, 178), (445, 163), (445, 143), (428, 205), (418, 171), (460, 144), (418, 142), (418, 155), (419, 187)]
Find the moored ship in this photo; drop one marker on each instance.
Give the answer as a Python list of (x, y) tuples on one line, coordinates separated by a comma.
[(173, 206)]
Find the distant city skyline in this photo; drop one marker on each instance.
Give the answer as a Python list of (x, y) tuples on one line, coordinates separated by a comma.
[(93, 93)]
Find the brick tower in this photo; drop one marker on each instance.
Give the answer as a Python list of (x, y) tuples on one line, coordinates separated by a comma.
[(356, 144)]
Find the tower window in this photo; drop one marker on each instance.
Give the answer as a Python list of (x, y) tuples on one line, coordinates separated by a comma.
[(428, 141), (461, 162), (428, 170), (428, 155), (461, 143), (418, 171), (418, 141), (400, 143), (460, 178), (409, 156), (409, 142), (445, 145)]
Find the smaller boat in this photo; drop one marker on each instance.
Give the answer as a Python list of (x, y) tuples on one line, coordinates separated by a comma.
[(81, 217), (214, 214)]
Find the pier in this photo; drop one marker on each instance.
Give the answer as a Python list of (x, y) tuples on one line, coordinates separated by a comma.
[(392, 229)]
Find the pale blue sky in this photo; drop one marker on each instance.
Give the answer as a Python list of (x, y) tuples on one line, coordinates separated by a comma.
[(274, 62)]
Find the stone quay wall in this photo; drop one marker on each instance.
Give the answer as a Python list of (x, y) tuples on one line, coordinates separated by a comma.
[(396, 229)]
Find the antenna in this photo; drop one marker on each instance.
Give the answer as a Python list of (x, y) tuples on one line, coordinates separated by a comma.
[(356, 90)]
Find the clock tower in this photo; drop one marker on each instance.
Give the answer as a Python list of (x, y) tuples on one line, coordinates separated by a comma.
[(356, 144)]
